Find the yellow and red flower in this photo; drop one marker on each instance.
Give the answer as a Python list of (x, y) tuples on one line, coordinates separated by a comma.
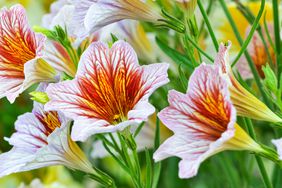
[(42, 139), (203, 121), (21, 64), (110, 90)]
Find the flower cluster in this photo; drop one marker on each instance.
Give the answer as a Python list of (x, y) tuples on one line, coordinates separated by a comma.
[(103, 67)]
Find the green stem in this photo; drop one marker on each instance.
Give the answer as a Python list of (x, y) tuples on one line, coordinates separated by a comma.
[(248, 57), (205, 16), (253, 29), (258, 159), (275, 6), (199, 49)]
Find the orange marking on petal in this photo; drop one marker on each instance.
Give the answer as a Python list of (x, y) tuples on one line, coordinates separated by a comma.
[(17, 42), (110, 94), (50, 120), (210, 114)]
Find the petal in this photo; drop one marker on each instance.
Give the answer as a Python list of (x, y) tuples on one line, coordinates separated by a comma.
[(81, 9), (141, 111), (222, 58), (278, 145), (38, 70), (13, 161), (57, 56), (154, 76), (30, 133), (92, 126), (105, 12)]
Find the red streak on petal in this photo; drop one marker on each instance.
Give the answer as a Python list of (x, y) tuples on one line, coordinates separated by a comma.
[(111, 93), (50, 120), (17, 43)]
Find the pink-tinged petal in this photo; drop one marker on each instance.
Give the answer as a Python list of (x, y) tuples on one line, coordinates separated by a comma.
[(19, 45), (30, 133), (108, 86), (154, 76), (64, 96), (278, 145), (222, 58)]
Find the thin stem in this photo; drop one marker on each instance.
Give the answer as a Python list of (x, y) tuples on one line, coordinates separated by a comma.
[(199, 49), (275, 6), (253, 29), (248, 57), (258, 159), (208, 12), (205, 16)]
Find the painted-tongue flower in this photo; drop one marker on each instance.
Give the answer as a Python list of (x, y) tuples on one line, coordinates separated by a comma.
[(258, 53), (99, 13), (246, 104), (21, 64), (42, 139), (203, 121), (110, 90)]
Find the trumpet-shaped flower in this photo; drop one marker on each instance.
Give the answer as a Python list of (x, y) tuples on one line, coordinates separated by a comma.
[(99, 13), (203, 121), (20, 52), (110, 90), (42, 139), (246, 103)]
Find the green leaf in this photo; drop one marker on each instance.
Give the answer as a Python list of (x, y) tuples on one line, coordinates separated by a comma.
[(176, 56), (114, 38), (270, 80), (183, 79), (148, 169), (139, 129), (157, 166)]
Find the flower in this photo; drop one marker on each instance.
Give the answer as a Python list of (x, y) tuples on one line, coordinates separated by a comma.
[(42, 139), (110, 90), (95, 14), (21, 64), (258, 54), (203, 121), (245, 103)]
